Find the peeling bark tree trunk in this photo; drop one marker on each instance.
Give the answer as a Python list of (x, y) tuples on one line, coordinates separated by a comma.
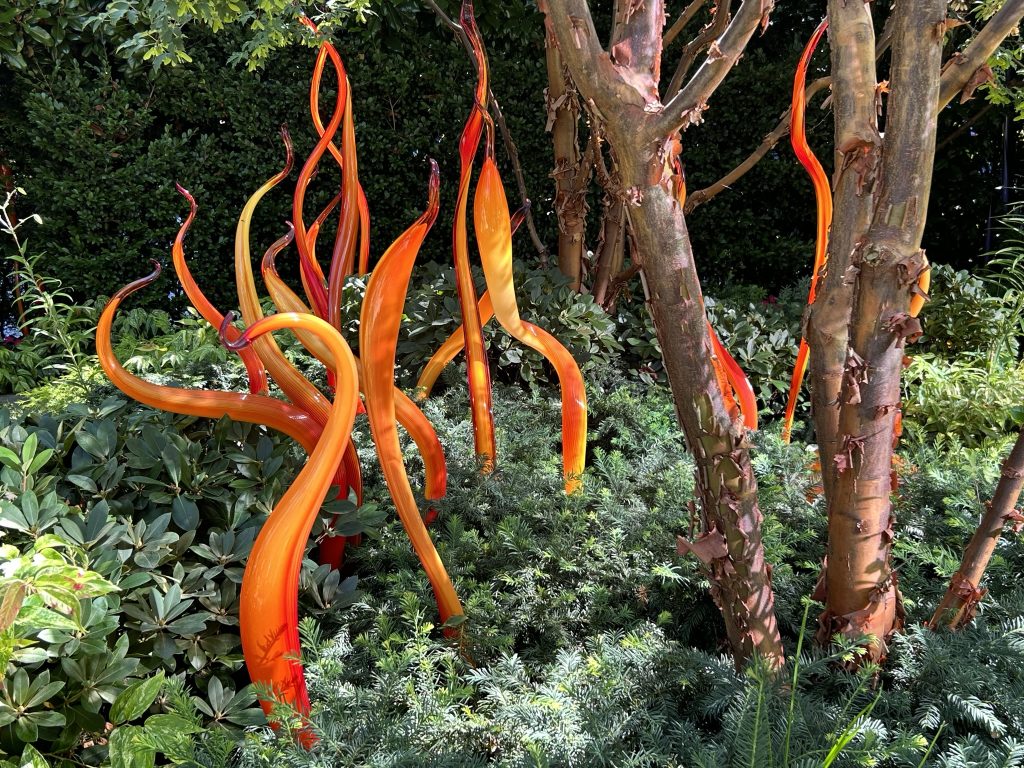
[(611, 251), (881, 269), (961, 599), (571, 173), (620, 90)]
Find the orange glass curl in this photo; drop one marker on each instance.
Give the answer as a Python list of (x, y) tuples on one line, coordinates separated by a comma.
[(408, 414), (494, 239), (253, 365), (252, 408), (380, 320), (823, 198), (269, 611), (455, 343), (732, 381), (295, 386)]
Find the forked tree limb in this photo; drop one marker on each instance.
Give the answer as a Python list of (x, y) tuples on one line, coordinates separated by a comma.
[(959, 70), (693, 48), (499, 118), (685, 107), (964, 592)]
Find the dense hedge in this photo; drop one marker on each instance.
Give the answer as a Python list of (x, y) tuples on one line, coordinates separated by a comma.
[(97, 146)]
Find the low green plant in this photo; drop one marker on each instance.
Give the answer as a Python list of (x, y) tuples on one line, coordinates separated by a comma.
[(57, 331)]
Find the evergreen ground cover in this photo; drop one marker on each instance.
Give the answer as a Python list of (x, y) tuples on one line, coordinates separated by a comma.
[(589, 640)]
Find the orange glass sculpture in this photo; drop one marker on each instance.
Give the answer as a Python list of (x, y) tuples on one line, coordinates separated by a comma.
[(494, 239), (823, 198), (379, 322), (477, 371), (322, 424)]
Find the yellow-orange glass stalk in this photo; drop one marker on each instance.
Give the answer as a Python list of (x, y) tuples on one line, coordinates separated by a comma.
[(295, 386), (494, 239), (454, 343), (380, 320), (823, 198), (408, 414)]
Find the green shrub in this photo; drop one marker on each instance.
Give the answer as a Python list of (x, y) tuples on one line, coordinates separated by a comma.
[(166, 509)]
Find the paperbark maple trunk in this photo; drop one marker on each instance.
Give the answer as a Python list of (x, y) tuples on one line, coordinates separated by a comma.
[(961, 599), (620, 90), (611, 251), (881, 269), (730, 546), (571, 174)]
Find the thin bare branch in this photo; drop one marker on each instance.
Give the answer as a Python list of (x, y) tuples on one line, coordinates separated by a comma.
[(680, 24), (709, 34), (960, 69), (685, 108)]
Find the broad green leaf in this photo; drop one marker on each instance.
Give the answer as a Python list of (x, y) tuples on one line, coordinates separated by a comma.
[(134, 700)]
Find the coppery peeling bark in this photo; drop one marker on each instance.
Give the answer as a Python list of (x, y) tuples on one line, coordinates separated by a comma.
[(571, 173), (858, 148), (961, 599), (643, 139), (862, 593)]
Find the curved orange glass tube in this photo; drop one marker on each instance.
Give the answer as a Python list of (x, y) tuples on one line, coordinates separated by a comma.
[(454, 343), (733, 382), (477, 370), (269, 609), (295, 386), (494, 240), (823, 198), (361, 204), (349, 477), (380, 320), (312, 273), (924, 282), (253, 365), (252, 408), (449, 350), (408, 414), (344, 254)]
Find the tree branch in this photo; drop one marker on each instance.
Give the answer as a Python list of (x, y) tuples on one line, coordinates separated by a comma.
[(499, 118), (680, 24), (685, 108), (602, 84), (636, 42), (699, 43), (960, 131), (959, 70)]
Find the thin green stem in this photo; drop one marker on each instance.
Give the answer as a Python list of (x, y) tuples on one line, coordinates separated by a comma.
[(793, 682)]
